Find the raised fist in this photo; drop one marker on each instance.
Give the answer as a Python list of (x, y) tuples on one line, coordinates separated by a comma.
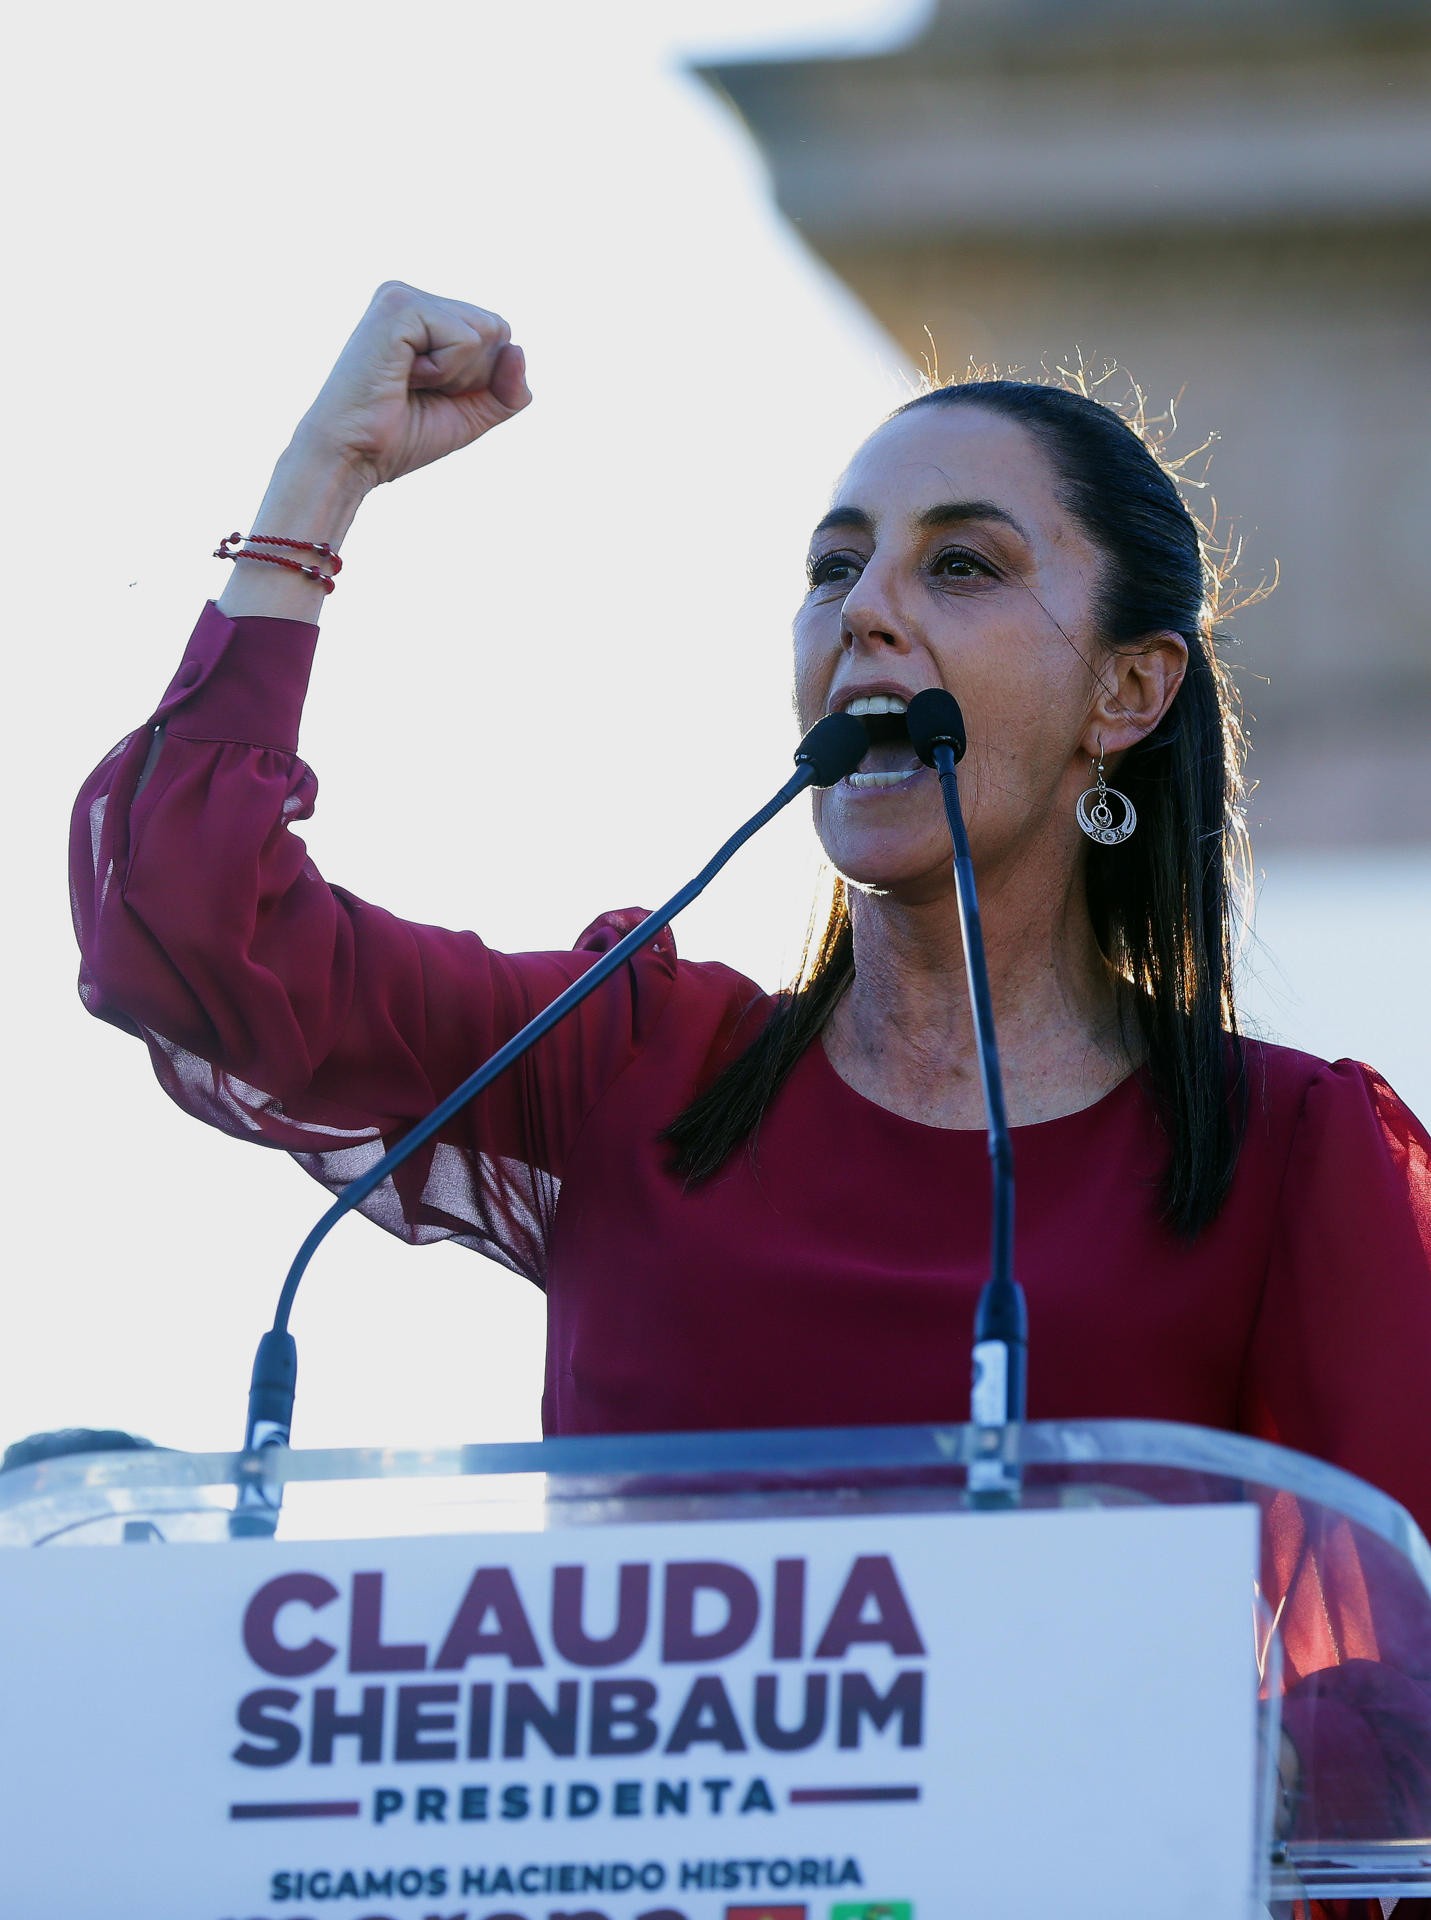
[(419, 378)]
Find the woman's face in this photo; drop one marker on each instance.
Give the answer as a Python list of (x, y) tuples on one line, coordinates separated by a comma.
[(949, 561)]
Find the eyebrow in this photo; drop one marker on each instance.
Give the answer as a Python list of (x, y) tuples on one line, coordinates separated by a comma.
[(947, 513)]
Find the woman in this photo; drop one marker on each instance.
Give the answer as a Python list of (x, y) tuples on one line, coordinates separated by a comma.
[(749, 1211), (760, 1212)]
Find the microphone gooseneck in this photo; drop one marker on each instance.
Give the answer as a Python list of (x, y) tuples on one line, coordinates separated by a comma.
[(936, 730), (831, 749)]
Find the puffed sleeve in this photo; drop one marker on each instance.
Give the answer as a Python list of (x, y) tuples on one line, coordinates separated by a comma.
[(1340, 1361), (1340, 1368), (292, 1013)]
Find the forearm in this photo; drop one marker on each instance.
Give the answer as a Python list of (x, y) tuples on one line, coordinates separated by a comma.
[(419, 378), (313, 495), (200, 916)]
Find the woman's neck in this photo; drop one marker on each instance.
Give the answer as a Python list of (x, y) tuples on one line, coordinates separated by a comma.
[(902, 1035)]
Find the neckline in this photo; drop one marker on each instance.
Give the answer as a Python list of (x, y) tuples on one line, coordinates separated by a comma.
[(1028, 1128)]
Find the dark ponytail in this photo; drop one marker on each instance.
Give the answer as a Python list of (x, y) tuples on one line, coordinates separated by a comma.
[(1161, 903)]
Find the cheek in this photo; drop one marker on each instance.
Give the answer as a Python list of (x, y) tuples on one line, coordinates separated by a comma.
[(1024, 683), (808, 703), (813, 666)]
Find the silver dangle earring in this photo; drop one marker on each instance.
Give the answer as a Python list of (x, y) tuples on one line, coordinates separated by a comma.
[(1097, 820)]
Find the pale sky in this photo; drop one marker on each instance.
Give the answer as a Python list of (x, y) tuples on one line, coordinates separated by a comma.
[(199, 212)]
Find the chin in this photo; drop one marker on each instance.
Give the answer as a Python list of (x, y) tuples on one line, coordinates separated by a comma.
[(885, 864), (885, 841)]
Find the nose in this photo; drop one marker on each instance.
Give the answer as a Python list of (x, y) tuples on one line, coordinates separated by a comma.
[(871, 618)]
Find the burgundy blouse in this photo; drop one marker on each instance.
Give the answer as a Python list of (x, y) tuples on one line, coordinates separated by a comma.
[(827, 1279)]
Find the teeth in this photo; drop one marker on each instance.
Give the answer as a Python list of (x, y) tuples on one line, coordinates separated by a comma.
[(876, 703), (881, 779)]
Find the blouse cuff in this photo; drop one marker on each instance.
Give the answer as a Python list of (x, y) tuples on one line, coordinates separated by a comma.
[(241, 681)]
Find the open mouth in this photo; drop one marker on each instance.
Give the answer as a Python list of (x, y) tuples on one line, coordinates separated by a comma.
[(891, 760)]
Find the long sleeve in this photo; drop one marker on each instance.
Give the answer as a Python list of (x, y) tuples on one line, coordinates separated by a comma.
[(290, 1012), (1340, 1367), (1340, 1360)]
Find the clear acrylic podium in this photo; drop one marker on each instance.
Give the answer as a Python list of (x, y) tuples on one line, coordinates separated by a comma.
[(1341, 1622)]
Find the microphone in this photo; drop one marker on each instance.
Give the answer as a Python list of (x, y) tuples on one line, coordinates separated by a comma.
[(831, 749), (997, 1401)]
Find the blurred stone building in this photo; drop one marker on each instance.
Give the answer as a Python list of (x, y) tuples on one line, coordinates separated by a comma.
[(1232, 200)]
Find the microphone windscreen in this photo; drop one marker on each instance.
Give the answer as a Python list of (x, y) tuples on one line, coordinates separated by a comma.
[(934, 720), (833, 747)]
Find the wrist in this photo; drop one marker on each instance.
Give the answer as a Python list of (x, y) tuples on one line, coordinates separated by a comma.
[(316, 485), (313, 496)]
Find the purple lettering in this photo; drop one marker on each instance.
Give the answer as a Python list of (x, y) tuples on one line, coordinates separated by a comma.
[(493, 1591), (258, 1714), (555, 1725), (479, 1721), (707, 1718), (366, 1652), (787, 1639), (872, 1580), (261, 1616), (684, 1580), (621, 1719), (768, 1730), (633, 1606), (904, 1700), (365, 1726), (418, 1723)]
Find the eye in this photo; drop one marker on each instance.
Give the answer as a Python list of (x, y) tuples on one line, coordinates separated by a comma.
[(832, 569), (958, 563)]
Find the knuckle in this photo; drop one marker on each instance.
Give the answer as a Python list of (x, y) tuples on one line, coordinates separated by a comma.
[(482, 320)]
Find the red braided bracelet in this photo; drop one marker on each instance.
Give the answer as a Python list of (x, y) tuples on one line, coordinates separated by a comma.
[(233, 547), (236, 540)]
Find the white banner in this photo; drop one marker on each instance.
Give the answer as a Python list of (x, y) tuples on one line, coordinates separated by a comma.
[(864, 1718)]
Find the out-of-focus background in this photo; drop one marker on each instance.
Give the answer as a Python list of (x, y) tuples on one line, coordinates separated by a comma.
[(730, 233)]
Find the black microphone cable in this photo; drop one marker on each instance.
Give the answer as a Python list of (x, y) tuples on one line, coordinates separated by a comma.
[(998, 1398), (831, 749)]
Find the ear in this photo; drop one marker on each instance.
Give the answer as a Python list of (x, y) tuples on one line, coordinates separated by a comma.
[(1136, 688)]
